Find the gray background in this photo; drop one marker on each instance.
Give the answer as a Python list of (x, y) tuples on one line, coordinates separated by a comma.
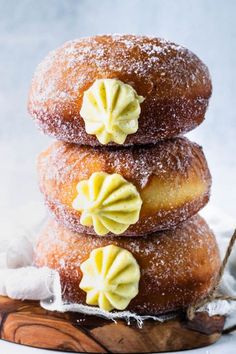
[(30, 28)]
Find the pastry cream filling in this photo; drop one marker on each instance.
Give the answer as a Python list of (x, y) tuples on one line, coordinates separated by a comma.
[(110, 110), (107, 202), (110, 278)]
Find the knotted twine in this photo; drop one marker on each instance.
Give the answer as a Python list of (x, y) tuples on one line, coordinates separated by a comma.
[(214, 295)]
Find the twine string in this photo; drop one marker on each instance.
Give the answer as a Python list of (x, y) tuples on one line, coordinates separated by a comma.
[(213, 295)]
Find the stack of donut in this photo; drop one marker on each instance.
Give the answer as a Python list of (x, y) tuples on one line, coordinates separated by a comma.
[(122, 183)]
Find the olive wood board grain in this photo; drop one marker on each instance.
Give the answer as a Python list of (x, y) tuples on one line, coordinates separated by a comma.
[(25, 322)]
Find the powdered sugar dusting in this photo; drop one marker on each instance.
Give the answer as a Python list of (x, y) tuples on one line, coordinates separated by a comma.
[(93, 51), (65, 162)]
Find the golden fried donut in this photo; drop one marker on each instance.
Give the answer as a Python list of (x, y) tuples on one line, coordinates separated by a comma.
[(178, 267), (169, 182), (173, 82)]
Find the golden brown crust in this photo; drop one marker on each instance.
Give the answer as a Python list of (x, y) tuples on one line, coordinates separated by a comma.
[(172, 178), (175, 83), (178, 266)]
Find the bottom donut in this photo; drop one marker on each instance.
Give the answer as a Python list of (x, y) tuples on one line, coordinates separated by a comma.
[(177, 267)]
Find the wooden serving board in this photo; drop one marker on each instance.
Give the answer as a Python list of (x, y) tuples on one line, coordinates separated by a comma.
[(25, 322)]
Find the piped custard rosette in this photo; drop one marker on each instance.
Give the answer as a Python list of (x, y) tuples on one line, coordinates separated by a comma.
[(108, 203), (110, 278), (111, 110)]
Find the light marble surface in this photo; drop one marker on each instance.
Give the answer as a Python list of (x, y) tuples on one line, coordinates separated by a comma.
[(29, 29)]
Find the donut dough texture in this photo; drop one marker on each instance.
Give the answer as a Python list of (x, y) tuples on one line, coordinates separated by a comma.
[(172, 179)]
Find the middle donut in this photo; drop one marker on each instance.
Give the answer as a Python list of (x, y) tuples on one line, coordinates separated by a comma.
[(124, 191)]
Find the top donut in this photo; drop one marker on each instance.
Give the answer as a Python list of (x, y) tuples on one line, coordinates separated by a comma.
[(119, 89)]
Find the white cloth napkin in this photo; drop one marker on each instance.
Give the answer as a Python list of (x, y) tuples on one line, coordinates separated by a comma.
[(20, 280)]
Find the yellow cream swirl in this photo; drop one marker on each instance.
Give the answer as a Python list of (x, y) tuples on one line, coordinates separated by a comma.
[(110, 110), (107, 202), (110, 278)]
